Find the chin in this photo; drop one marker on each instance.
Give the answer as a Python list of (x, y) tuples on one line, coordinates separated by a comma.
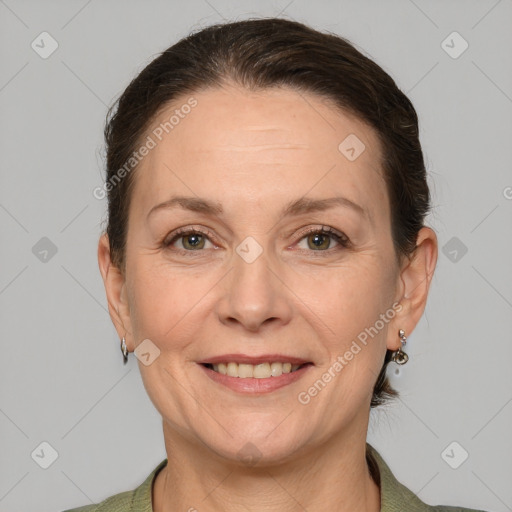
[(258, 444)]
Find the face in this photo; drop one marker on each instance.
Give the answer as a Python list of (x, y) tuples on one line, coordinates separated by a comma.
[(254, 237)]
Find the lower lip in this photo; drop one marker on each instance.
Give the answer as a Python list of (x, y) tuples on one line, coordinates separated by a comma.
[(252, 385)]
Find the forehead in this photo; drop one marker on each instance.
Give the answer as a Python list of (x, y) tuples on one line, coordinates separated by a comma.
[(268, 144)]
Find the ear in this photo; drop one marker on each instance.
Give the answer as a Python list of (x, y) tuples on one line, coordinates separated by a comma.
[(115, 288), (415, 276)]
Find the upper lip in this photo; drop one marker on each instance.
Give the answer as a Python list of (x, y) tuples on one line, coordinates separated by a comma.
[(246, 359)]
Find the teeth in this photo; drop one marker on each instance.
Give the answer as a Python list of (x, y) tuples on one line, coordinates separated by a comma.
[(261, 371), (276, 369), (232, 369), (245, 371), (258, 371)]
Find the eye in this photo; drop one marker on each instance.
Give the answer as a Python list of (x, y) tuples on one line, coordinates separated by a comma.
[(320, 240), (191, 239)]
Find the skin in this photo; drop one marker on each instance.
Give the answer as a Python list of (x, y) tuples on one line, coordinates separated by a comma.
[(254, 153)]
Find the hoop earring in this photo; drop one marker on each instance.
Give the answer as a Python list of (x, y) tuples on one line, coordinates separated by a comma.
[(124, 350), (399, 356)]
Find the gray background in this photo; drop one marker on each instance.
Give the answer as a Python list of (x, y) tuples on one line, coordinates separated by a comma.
[(62, 377)]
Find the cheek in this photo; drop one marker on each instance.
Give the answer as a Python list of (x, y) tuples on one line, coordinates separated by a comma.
[(155, 300), (356, 307), (163, 297), (352, 297)]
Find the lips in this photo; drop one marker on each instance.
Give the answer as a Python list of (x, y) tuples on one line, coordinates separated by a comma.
[(255, 374)]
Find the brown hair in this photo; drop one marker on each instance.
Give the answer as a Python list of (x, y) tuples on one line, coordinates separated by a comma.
[(265, 53)]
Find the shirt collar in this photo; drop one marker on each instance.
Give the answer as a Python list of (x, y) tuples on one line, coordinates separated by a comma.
[(394, 496)]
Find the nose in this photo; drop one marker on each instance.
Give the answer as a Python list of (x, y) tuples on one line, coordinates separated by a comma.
[(254, 296)]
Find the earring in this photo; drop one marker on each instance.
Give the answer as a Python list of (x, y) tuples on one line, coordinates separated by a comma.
[(399, 356), (124, 350)]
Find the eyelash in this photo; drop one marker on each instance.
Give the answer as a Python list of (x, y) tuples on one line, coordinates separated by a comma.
[(339, 237)]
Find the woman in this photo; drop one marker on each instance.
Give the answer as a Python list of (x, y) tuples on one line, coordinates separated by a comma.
[(265, 258)]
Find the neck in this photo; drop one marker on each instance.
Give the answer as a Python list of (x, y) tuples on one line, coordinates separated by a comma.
[(333, 476)]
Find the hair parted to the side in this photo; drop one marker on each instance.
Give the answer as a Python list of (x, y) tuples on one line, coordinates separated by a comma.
[(273, 52)]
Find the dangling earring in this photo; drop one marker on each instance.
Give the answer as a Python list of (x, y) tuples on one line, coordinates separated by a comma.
[(399, 356), (124, 350)]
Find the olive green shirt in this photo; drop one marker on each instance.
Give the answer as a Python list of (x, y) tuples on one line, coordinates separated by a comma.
[(393, 495)]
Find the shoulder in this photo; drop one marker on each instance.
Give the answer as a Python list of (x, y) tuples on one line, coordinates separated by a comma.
[(122, 502), (137, 500), (441, 508), (395, 497)]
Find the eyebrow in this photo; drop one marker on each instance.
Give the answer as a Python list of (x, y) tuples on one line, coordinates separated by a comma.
[(296, 207)]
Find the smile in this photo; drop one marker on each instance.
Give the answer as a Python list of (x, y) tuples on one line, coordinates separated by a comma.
[(255, 379)]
